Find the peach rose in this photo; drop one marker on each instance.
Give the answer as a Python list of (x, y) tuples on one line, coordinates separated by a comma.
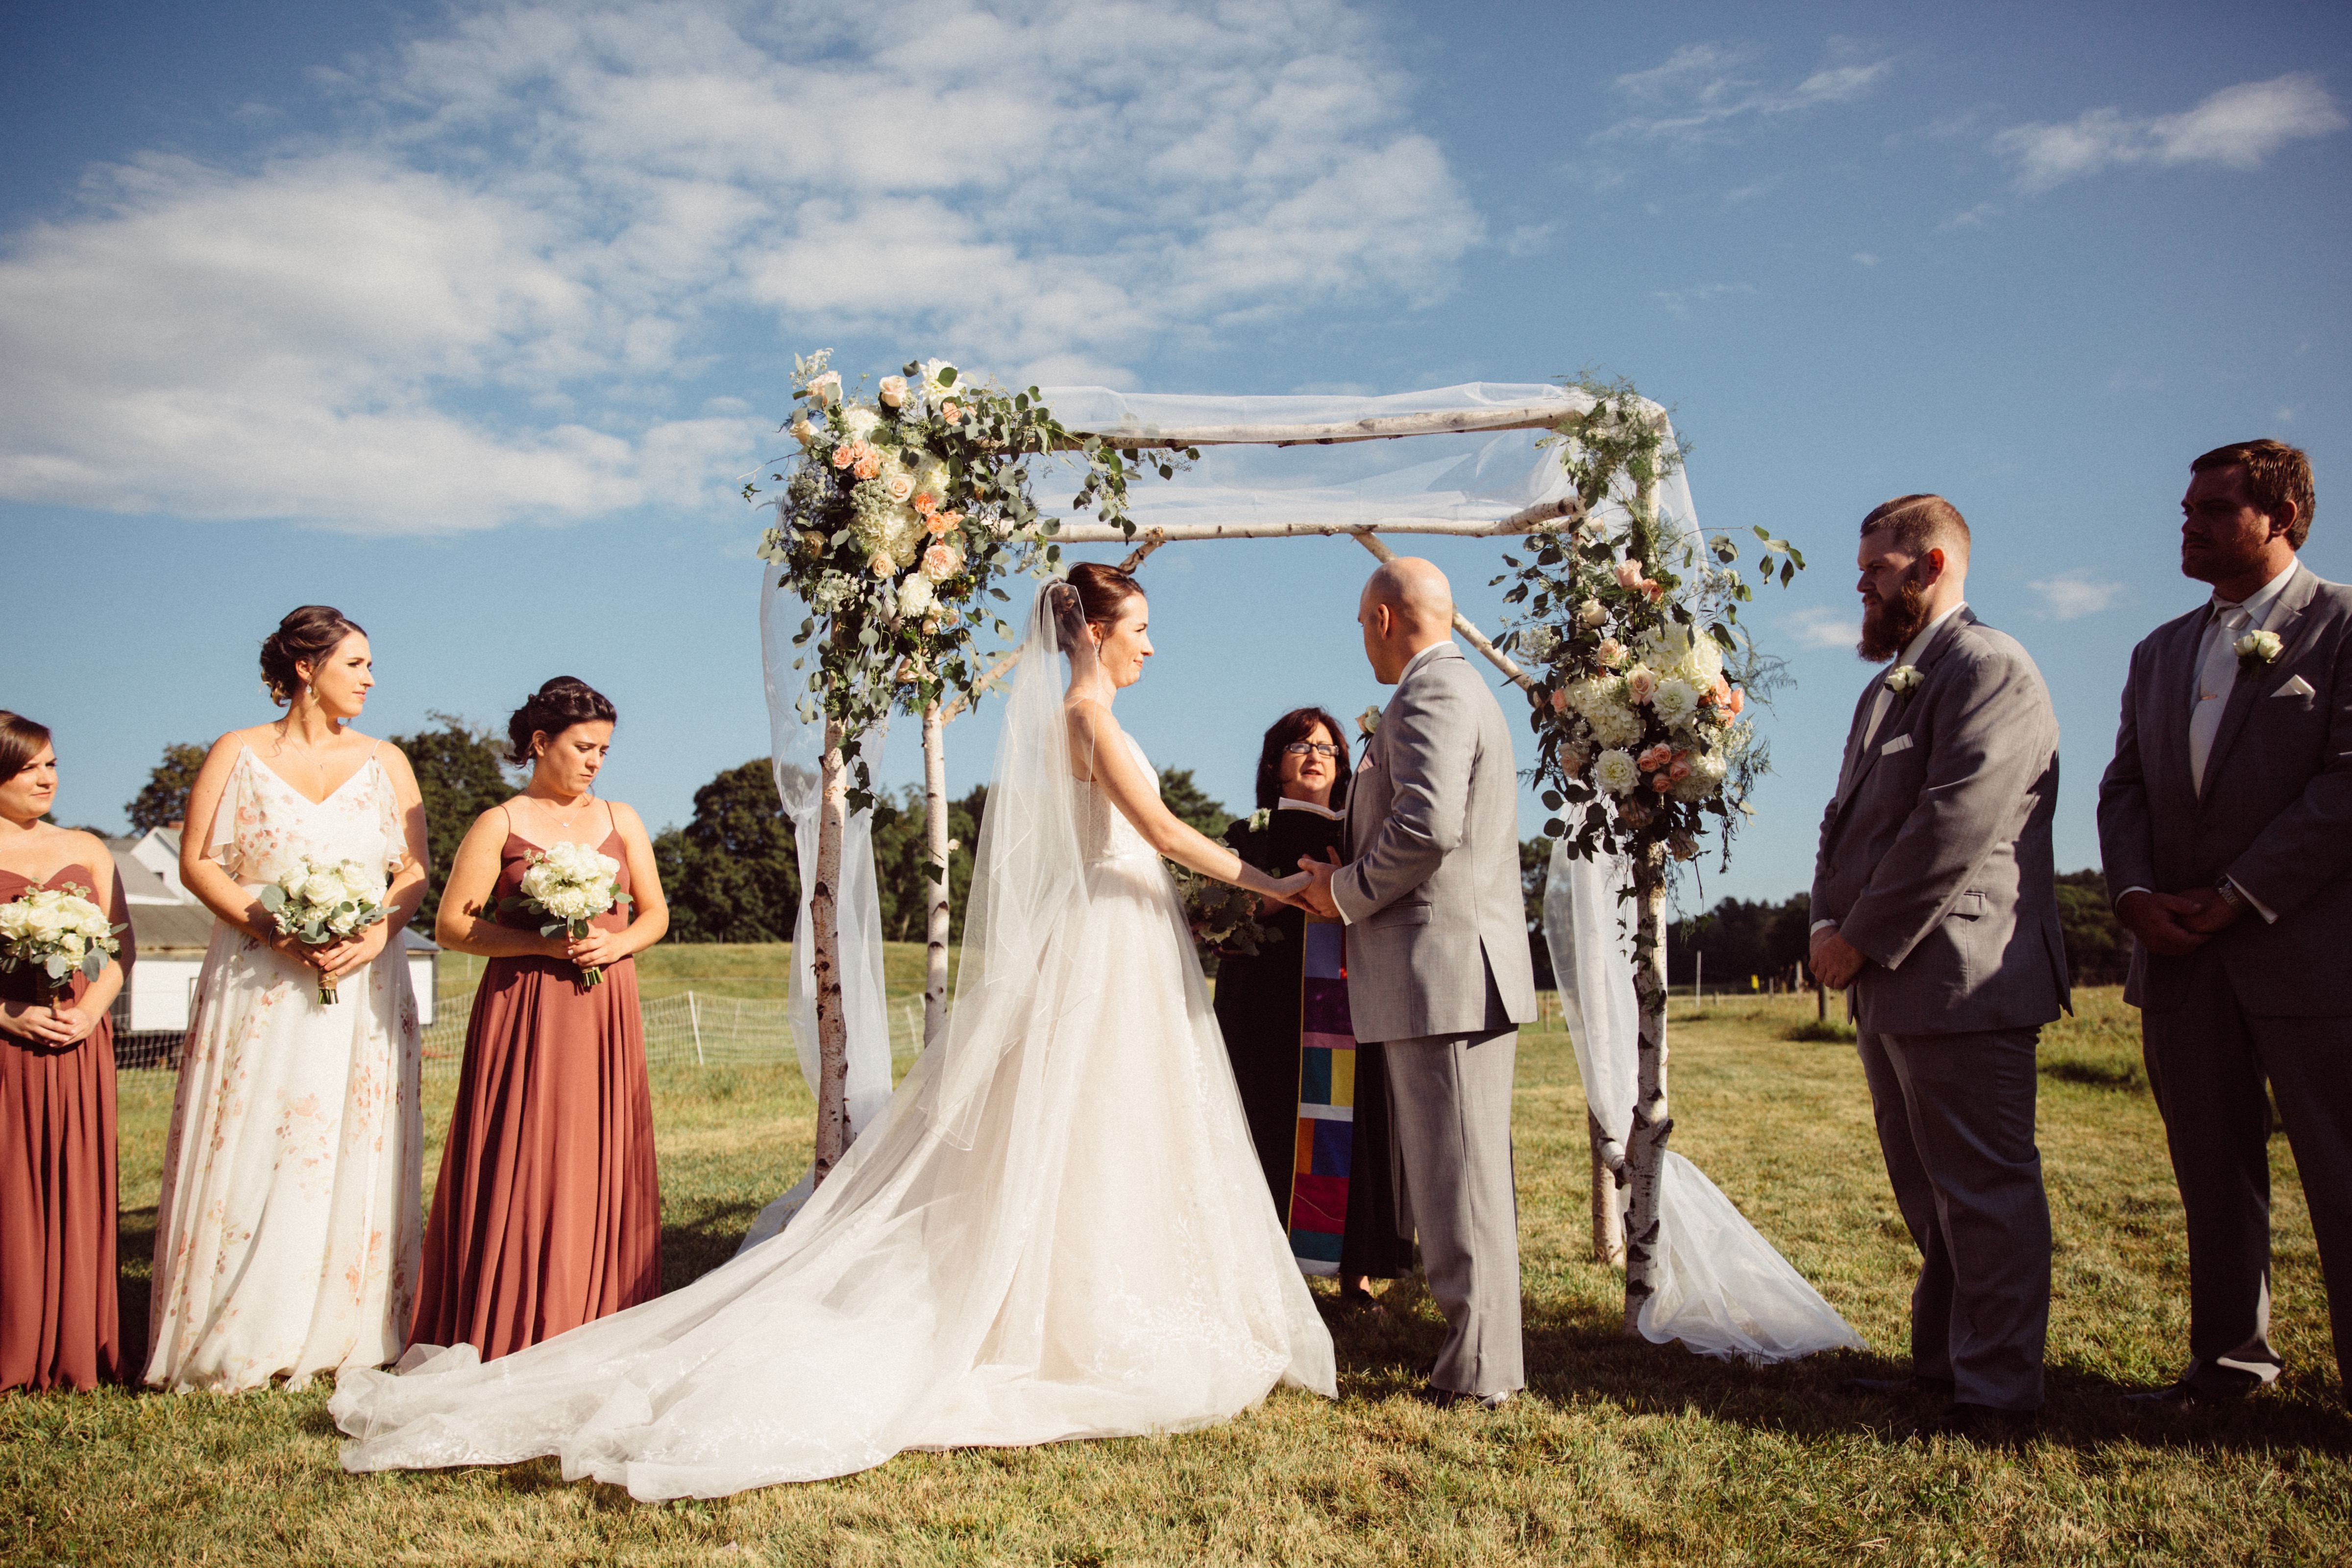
[(942, 561), (1560, 701), (1652, 591), (1738, 700), (894, 392), (1610, 653), (1629, 574), (926, 502), (1661, 783), (882, 566), (950, 410), (1656, 757), (1641, 683), (900, 487)]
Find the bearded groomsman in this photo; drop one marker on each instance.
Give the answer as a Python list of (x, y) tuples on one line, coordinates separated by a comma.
[(1934, 897), (2225, 823)]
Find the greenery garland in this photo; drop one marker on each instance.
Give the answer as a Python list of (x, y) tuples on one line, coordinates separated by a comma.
[(898, 518), (1641, 672)]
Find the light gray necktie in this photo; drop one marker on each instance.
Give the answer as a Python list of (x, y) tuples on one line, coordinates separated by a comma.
[(1878, 707), (2215, 676)]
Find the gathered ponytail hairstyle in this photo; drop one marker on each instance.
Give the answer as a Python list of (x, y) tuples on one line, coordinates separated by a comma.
[(1102, 590), (554, 707), (307, 636)]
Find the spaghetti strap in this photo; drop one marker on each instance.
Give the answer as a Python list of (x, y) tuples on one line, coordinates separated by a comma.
[(611, 823)]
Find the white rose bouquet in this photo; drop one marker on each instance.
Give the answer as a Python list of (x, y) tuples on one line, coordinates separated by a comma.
[(570, 885), (57, 931), (317, 904)]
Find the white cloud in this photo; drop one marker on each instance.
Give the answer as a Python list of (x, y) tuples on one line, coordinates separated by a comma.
[(2071, 595), (1865, 259), (1819, 627), (1972, 218), (1701, 87), (2236, 128), (1680, 301), (480, 306)]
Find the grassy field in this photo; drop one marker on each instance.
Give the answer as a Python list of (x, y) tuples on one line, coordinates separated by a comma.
[(1621, 1452)]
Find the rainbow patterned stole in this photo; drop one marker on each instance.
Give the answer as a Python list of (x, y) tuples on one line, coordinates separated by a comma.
[(1327, 1102)]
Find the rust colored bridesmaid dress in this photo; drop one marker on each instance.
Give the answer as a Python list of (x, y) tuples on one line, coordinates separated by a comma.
[(548, 1212), (59, 1322)]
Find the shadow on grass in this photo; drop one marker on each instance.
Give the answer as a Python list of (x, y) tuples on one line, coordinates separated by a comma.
[(1578, 1355), (134, 1254), (692, 1248)]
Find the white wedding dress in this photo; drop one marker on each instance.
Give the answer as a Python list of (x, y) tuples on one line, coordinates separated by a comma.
[(1056, 1229)]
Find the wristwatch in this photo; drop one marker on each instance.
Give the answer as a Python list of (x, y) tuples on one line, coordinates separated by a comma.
[(2231, 895)]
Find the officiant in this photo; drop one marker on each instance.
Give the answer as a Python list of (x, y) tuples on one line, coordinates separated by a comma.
[(1317, 1100)]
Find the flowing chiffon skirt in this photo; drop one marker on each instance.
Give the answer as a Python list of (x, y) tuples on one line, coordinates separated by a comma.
[(1101, 1261)]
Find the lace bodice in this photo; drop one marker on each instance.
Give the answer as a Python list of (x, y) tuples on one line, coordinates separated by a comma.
[(1104, 831), (263, 825)]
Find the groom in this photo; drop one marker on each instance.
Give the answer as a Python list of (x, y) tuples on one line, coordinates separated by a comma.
[(1438, 965)]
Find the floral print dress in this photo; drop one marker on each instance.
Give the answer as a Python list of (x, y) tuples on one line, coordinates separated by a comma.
[(288, 1231)]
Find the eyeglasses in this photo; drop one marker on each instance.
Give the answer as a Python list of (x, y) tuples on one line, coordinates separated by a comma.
[(1301, 748)]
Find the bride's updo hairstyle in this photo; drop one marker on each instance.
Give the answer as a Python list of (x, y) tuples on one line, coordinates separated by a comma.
[(307, 636), (1101, 591), (554, 707)]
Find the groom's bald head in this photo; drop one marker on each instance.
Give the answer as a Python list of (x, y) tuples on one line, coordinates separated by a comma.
[(1407, 605)]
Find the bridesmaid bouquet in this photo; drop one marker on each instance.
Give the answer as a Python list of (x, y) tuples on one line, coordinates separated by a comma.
[(317, 904), (57, 931), (1222, 916), (571, 885)]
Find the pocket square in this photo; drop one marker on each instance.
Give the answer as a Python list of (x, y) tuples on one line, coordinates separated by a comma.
[(2298, 687), (1900, 743)]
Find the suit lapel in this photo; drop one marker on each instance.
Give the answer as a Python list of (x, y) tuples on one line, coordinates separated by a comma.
[(2173, 678), (1854, 736), (1898, 711), (2250, 689)]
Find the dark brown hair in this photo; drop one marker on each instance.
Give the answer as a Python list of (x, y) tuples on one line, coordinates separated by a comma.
[(307, 636), (553, 709), (1102, 590), (1296, 725), (1920, 523), (2277, 473), (21, 741)]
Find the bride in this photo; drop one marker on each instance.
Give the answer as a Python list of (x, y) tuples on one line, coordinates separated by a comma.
[(1056, 1229)]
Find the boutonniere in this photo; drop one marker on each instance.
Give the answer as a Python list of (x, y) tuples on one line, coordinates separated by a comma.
[(1366, 723), (1259, 818), (2255, 650), (1904, 679)]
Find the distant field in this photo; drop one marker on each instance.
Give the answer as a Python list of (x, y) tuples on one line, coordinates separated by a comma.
[(1621, 1453)]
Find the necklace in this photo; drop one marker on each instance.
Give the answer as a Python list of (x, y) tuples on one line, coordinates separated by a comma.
[(565, 822)]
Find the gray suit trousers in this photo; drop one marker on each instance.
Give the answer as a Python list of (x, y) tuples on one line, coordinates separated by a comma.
[(1450, 1104), (1955, 1116), (2207, 1062)]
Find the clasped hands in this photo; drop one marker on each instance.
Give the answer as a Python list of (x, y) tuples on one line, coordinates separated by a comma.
[(60, 1022), (1313, 893), (332, 960), (2175, 924)]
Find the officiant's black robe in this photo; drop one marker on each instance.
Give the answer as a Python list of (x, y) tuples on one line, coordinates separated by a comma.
[(1259, 1009)]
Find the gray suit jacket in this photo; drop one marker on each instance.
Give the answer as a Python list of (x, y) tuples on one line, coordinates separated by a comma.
[(1935, 855), (1432, 891), (2275, 817)]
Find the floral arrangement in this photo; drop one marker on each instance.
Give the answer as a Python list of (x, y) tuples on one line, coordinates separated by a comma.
[(897, 520), (1642, 680), (59, 932), (1223, 917), (2256, 650), (317, 904), (571, 884)]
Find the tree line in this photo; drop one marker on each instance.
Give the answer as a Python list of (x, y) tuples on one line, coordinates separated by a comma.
[(731, 873)]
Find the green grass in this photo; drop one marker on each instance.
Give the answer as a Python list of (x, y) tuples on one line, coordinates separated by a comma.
[(1621, 1452)]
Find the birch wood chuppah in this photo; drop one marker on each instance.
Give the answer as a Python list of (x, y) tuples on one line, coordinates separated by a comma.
[(1584, 480)]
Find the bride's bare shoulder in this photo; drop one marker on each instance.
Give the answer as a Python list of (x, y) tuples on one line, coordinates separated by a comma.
[(1091, 728)]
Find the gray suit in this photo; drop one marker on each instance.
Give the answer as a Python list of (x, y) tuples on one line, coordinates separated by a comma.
[(2260, 1000), (1935, 861), (1438, 968)]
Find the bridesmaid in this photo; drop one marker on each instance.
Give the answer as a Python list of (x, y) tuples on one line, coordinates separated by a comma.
[(59, 1322), (548, 1212), (286, 1234), (1316, 1100)]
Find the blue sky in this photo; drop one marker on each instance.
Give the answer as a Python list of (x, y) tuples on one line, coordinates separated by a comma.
[(468, 320)]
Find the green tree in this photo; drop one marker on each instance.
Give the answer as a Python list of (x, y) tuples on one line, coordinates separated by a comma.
[(902, 859), (1191, 804), (162, 801), (2098, 948), (1741, 939), (461, 772), (730, 874)]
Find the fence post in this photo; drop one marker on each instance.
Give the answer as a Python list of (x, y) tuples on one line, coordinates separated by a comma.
[(694, 1020)]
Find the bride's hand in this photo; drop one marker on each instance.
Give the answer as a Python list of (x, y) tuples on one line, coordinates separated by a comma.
[(1285, 889)]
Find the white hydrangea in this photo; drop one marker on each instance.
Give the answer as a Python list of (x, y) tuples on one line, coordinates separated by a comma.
[(859, 421), (1539, 643), (1614, 724), (1674, 649), (1615, 772), (1705, 780), (1675, 702)]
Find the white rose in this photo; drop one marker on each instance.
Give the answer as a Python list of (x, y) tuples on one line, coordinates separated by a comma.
[(1592, 612), (824, 389), (1615, 772), (894, 392), (803, 432)]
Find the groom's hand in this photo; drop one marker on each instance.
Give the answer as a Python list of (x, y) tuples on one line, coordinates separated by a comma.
[(1833, 960), (1315, 897)]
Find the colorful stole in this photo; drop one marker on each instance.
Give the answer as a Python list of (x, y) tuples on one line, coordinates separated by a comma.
[(1327, 1102)]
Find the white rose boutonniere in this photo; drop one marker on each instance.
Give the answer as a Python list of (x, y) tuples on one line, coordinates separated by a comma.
[(1904, 679), (2256, 650), (1368, 722)]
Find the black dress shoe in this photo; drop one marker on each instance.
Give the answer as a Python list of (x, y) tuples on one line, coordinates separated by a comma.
[(2186, 1396), (1898, 1385), (1984, 1423), (1449, 1398)]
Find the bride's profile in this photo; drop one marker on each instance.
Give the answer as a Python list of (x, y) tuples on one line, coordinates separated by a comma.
[(1056, 1229)]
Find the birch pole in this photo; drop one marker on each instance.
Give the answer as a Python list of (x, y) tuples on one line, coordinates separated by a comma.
[(1608, 1218), (1645, 1145), (935, 903), (825, 923)]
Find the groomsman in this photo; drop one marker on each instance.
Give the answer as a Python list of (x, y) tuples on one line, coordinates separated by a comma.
[(1934, 898), (2225, 823)]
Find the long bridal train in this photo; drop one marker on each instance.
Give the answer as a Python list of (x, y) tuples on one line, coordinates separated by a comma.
[(1056, 1229)]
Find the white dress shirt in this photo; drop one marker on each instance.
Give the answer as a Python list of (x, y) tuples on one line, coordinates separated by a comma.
[(1886, 698)]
